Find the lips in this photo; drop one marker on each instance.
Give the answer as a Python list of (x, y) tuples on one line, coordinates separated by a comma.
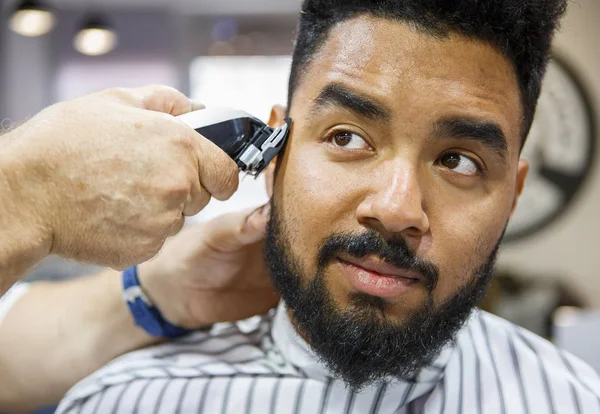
[(374, 265), (377, 278)]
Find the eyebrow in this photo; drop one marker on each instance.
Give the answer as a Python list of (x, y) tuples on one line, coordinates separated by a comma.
[(489, 134), (338, 95)]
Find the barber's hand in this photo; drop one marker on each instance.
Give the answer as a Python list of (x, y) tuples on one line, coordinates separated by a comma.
[(214, 272), (111, 175)]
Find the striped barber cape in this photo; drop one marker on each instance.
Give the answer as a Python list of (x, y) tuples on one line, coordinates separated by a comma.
[(261, 366)]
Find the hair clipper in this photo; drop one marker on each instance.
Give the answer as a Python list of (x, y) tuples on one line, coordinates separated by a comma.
[(247, 140)]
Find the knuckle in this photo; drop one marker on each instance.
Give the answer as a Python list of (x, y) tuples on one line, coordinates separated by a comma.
[(180, 187), (174, 187), (159, 89), (161, 96), (119, 94), (151, 96), (153, 90), (155, 238), (184, 138)]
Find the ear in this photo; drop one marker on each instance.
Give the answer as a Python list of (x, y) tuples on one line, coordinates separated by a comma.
[(277, 118), (522, 171)]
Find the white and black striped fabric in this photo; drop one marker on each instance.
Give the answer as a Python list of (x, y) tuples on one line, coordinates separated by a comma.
[(260, 366)]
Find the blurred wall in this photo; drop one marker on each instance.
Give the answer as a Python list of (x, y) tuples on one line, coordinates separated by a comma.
[(30, 66), (570, 248), (26, 75), (271, 35), (147, 53)]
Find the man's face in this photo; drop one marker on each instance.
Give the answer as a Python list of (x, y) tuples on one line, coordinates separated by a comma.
[(401, 172)]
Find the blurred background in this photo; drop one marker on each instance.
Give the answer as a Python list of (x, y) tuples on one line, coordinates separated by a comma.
[(237, 53)]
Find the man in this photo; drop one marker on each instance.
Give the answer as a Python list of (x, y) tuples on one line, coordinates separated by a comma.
[(389, 205), (86, 180)]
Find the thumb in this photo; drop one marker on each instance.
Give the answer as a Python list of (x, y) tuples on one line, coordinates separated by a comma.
[(160, 98), (234, 231)]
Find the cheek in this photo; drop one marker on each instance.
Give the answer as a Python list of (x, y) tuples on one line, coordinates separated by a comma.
[(464, 237), (313, 198)]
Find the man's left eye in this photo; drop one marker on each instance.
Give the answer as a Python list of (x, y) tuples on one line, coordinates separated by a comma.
[(349, 140), (460, 164)]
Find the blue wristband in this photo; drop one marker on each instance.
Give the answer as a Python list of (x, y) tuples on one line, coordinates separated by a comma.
[(145, 314)]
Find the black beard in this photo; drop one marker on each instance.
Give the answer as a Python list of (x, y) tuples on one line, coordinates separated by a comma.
[(363, 345)]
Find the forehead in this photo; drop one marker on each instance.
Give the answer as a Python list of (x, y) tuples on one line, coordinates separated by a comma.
[(415, 73)]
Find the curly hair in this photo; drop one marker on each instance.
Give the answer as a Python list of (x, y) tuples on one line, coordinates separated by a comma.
[(522, 30)]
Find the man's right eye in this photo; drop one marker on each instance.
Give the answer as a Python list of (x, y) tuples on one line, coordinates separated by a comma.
[(348, 140)]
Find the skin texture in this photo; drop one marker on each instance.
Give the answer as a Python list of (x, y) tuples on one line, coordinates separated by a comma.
[(391, 178)]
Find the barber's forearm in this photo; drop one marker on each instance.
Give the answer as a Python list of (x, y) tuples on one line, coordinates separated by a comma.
[(59, 333), (23, 239)]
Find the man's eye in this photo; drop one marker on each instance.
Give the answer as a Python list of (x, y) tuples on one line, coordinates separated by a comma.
[(460, 164), (349, 140)]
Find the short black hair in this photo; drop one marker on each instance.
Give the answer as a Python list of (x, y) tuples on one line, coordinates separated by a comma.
[(522, 30)]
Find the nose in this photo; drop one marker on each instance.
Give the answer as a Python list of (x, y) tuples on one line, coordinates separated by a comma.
[(395, 204)]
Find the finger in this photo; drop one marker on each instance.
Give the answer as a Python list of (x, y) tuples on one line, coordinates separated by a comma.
[(255, 227), (218, 173), (269, 173), (199, 199), (164, 99), (234, 231)]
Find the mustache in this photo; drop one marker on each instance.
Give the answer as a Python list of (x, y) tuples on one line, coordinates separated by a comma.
[(394, 251)]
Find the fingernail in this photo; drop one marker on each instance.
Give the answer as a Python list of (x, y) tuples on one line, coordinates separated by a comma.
[(196, 106)]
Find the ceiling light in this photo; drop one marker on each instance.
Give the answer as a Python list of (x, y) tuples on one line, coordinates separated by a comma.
[(95, 38), (32, 18)]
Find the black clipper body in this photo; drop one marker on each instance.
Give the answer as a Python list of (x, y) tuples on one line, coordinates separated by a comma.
[(247, 140)]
